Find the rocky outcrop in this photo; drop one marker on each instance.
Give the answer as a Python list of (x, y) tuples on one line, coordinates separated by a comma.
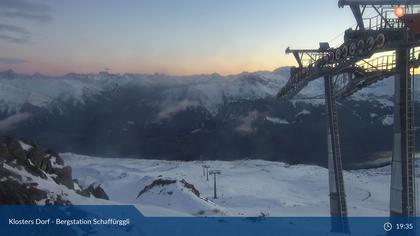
[(165, 182), (94, 190), (14, 149), (24, 166), (158, 182), (64, 176), (191, 187)]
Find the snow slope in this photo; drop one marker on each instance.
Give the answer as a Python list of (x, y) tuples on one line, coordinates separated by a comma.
[(24, 182), (248, 187), (55, 190)]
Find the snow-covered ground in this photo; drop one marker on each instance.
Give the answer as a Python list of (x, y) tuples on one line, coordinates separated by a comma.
[(245, 188)]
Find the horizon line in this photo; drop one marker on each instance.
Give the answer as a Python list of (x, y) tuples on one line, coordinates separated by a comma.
[(139, 73)]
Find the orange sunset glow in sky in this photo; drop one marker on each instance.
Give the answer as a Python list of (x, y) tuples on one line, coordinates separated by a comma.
[(161, 36)]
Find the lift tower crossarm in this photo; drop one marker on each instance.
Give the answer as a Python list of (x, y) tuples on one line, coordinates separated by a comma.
[(299, 53), (358, 15)]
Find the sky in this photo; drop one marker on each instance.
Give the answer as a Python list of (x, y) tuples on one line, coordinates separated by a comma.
[(177, 37)]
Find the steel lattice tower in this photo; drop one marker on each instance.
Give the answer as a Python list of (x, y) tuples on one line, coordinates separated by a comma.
[(395, 28)]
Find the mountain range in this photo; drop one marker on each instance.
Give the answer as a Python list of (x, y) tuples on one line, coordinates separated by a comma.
[(197, 117)]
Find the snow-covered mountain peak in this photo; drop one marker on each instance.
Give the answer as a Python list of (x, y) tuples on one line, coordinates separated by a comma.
[(208, 90)]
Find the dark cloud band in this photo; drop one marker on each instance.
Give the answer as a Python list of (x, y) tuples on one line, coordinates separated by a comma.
[(11, 61), (21, 9), (14, 34), (26, 15), (13, 28), (13, 39), (24, 6)]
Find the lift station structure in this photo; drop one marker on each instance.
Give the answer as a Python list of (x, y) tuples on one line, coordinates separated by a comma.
[(380, 46)]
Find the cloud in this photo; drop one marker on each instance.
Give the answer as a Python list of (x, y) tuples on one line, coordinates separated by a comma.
[(25, 9), (11, 121), (12, 39), (14, 34), (276, 120), (12, 28), (169, 110), (246, 125), (26, 15), (12, 61)]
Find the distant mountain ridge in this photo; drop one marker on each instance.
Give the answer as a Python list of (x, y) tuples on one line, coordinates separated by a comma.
[(209, 90), (192, 117)]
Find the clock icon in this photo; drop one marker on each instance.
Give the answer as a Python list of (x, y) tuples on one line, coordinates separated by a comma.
[(387, 227)]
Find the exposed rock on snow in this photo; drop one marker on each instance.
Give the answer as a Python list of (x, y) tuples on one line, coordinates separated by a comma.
[(177, 195), (190, 187), (156, 183), (31, 175), (96, 191)]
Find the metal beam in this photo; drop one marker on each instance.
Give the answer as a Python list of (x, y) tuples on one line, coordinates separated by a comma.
[(300, 53), (298, 59), (338, 206), (288, 50), (358, 15), (342, 3), (214, 173), (402, 199)]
